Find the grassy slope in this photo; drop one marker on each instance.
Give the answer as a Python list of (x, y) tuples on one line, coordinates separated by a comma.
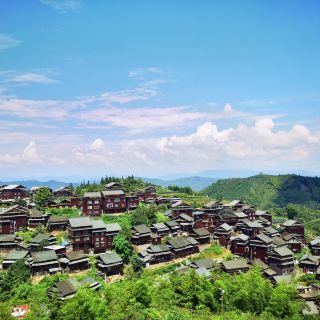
[(267, 190)]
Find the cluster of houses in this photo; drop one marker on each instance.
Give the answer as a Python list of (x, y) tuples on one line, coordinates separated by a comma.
[(249, 234), (112, 200)]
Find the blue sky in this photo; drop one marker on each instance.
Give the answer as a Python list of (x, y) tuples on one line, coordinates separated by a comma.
[(158, 87)]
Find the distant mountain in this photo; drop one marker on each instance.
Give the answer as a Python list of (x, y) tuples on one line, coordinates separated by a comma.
[(32, 183), (268, 190), (196, 183)]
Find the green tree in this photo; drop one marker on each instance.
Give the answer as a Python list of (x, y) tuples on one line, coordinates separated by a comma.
[(41, 198), (86, 305), (283, 303), (123, 247), (5, 312), (137, 264)]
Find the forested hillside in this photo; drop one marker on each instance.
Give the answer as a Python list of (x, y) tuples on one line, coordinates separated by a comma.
[(267, 191)]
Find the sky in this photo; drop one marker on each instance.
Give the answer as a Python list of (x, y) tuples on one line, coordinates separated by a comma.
[(158, 88)]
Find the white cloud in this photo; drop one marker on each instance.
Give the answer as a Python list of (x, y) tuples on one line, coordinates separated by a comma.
[(63, 5), (257, 146), (31, 77), (7, 41)]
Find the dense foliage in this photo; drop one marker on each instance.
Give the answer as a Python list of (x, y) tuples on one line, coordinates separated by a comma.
[(148, 295), (129, 184), (41, 198), (268, 191)]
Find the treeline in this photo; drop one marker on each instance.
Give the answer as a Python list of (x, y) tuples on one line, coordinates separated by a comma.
[(153, 295), (186, 190), (129, 183)]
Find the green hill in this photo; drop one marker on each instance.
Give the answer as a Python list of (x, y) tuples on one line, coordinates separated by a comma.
[(268, 191)]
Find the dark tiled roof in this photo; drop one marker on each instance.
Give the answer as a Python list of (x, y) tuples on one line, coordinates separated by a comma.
[(110, 258), (142, 229)]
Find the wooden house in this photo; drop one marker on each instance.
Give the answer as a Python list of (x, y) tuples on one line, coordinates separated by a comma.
[(281, 260), (110, 263), (63, 192), (67, 289), (13, 219), (76, 202), (239, 245), (132, 202), (41, 240), (99, 243), (92, 203), (222, 234), (235, 266), (292, 227), (309, 263), (13, 192), (43, 262), (112, 230), (12, 257), (141, 234), (114, 201), (227, 215), (315, 246), (263, 214), (157, 254), (293, 241), (150, 192), (74, 261), (174, 228), (270, 232), (182, 247), (185, 221), (250, 228), (80, 233), (181, 207), (160, 229), (235, 205), (259, 246), (56, 223), (202, 235), (114, 186), (9, 242), (37, 218)]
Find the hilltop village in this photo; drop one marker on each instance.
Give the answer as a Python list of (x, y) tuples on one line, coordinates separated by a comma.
[(62, 244)]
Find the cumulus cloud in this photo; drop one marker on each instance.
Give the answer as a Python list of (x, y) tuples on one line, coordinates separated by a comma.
[(257, 146)]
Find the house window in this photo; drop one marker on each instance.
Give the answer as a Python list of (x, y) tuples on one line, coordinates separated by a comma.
[(116, 199), (89, 207), (90, 201), (96, 202), (77, 239), (109, 205), (86, 238)]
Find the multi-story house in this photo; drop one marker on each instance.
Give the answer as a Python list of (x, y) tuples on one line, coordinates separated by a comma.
[(222, 234), (92, 203), (114, 201), (239, 245), (80, 233), (63, 192), (13, 192), (281, 260), (180, 207), (132, 202), (13, 219), (292, 227), (259, 246)]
